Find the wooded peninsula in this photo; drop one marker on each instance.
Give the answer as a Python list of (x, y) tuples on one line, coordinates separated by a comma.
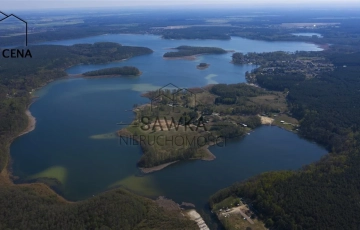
[(219, 112), (115, 71)]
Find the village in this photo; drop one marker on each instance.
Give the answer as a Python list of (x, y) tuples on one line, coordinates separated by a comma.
[(310, 67), (284, 64)]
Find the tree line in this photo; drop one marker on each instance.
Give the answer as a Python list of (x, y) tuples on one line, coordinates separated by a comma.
[(125, 70), (184, 51)]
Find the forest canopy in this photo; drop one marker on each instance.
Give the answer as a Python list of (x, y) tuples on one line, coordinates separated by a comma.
[(121, 71), (184, 51)]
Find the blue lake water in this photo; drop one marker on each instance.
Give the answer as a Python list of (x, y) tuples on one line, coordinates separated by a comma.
[(74, 139)]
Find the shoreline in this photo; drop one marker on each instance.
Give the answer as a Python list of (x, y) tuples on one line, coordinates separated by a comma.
[(190, 58), (100, 76), (156, 168), (209, 155), (193, 57), (31, 125), (323, 46), (31, 121)]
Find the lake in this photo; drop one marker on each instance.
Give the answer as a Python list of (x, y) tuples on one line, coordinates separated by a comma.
[(74, 139)]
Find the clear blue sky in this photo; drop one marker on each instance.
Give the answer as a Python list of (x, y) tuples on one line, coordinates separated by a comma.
[(51, 4)]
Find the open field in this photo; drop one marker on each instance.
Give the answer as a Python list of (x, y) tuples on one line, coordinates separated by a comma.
[(275, 100), (236, 221), (289, 123)]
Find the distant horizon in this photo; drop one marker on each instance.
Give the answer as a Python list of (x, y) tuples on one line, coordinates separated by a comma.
[(252, 10), (183, 5)]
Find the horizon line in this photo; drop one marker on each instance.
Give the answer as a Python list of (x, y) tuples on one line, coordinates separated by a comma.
[(275, 6)]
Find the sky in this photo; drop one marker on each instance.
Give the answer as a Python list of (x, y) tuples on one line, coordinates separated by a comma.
[(68, 4)]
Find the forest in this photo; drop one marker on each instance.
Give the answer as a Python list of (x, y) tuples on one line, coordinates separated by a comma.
[(184, 51), (122, 71), (23, 207), (198, 32), (323, 195), (279, 82)]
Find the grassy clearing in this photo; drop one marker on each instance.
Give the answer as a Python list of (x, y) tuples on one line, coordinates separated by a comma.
[(275, 100), (289, 123)]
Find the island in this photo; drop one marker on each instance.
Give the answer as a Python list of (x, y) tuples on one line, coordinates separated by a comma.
[(202, 66), (115, 71), (190, 52), (179, 125)]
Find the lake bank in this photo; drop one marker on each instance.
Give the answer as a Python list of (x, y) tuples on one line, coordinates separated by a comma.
[(156, 168), (101, 76), (189, 58), (31, 122)]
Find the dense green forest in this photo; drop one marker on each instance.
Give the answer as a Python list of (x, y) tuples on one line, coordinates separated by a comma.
[(184, 51), (280, 82), (125, 70), (23, 208), (198, 32), (323, 195)]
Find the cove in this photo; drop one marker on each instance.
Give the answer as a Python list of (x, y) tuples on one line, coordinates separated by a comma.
[(74, 139)]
